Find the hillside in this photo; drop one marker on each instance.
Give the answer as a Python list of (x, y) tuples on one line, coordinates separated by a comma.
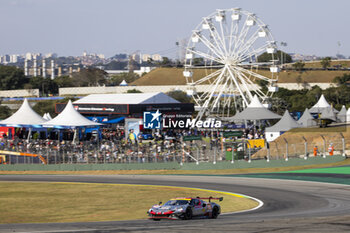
[(174, 76), (317, 64), (168, 76)]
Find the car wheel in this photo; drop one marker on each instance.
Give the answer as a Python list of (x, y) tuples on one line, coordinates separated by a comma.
[(188, 214), (215, 212)]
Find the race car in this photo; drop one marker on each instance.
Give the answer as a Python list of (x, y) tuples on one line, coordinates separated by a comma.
[(185, 208)]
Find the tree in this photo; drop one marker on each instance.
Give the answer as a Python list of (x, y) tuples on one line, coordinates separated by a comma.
[(298, 66), (48, 106), (90, 77), (326, 62), (45, 85), (267, 57), (341, 80), (11, 78), (5, 112), (165, 62), (45, 106), (179, 96), (116, 65), (278, 105), (64, 81), (263, 84), (198, 61), (134, 91), (116, 79), (298, 79)]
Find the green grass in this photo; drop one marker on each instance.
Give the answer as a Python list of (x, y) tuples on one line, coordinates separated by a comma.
[(239, 167), (24, 202), (329, 170), (334, 180)]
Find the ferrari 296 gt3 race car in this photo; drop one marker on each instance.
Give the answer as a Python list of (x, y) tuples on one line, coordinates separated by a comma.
[(186, 208)]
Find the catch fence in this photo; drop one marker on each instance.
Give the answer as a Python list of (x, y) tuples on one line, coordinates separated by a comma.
[(206, 150)]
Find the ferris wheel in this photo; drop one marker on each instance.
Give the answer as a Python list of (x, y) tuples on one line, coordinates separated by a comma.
[(223, 50)]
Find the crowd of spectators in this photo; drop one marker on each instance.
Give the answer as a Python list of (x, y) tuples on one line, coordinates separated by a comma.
[(117, 146)]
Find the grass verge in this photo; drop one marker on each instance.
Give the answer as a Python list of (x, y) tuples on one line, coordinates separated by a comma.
[(329, 170), (35, 202), (179, 172)]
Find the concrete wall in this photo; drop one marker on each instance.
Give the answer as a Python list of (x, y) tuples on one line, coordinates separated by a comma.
[(296, 86), (124, 89), (167, 88), (20, 93)]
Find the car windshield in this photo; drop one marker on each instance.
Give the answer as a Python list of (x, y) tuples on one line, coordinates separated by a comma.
[(177, 202)]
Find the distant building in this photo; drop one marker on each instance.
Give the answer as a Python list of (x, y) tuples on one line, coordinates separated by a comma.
[(145, 57), (135, 57), (28, 56), (51, 55), (157, 57), (143, 69), (301, 57), (31, 56), (5, 59), (14, 58)]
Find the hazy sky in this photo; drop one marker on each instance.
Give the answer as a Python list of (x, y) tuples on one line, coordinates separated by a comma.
[(68, 27)]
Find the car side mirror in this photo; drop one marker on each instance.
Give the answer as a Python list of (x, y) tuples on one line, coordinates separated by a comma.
[(160, 203), (204, 205)]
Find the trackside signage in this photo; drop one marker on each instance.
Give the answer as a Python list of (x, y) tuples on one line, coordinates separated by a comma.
[(155, 120)]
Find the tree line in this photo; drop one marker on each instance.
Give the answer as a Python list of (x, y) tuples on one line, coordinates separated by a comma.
[(12, 78)]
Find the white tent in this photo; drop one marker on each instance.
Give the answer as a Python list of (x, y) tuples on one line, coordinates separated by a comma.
[(306, 120), (255, 111), (24, 117), (71, 118), (48, 116), (348, 115), (320, 106), (286, 123), (341, 116), (328, 114), (123, 83)]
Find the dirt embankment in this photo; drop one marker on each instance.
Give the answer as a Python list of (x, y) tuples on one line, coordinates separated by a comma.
[(296, 138), (174, 76)]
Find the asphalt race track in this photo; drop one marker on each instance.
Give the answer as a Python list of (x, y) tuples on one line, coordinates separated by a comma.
[(289, 206)]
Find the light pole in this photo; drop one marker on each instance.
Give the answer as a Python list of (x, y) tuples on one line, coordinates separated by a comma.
[(284, 44)]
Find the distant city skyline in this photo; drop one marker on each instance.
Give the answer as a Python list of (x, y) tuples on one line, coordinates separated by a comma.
[(108, 27)]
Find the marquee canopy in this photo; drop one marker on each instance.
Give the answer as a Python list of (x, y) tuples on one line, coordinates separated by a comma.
[(328, 114), (286, 123), (255, 111), (69, 118), (306, 120), (321, 105), (24, 117), (341, 116)]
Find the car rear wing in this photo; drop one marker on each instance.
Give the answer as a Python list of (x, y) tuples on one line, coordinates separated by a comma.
[(212, 198)]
